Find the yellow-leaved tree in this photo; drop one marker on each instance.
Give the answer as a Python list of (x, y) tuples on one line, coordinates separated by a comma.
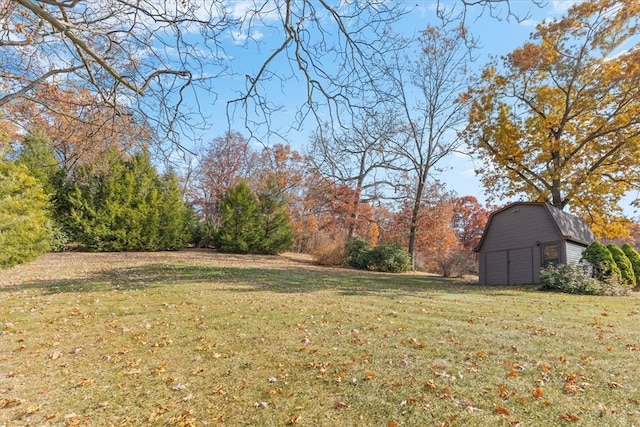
[(558, 120)]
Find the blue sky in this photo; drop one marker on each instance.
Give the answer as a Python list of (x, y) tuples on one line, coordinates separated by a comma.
[(497, 36)]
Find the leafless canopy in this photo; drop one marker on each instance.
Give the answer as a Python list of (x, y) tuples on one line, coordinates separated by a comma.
[(164, 59)]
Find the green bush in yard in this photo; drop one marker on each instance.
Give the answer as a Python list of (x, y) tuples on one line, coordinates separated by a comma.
[(124, 204), (390, 258), (623, 263), (577, 279), (239, 230), (599, 256), (253, 223), (634, 258), (358, 251)]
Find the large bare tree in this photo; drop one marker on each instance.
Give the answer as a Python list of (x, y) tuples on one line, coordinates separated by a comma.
[(164, 59), (358, 157), (428, 88), (150, 56)]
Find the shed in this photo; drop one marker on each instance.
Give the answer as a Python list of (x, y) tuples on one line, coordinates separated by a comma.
[(524, 237)]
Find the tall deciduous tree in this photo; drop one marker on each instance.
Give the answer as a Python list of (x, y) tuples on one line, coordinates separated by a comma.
[(80, 128), (436, 235), (560, 121), (357, 158), (468, 221), (228, 160), (429, 89)]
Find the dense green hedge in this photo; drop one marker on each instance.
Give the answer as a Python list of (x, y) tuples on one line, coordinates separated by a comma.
[(387, 257), (127, 206)]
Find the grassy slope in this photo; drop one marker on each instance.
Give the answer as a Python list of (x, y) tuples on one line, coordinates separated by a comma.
[(195, 338)]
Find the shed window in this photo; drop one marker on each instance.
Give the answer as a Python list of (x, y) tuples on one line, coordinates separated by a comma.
[(550, 254)]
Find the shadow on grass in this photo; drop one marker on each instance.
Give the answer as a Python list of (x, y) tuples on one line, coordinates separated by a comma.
[(282, 280)]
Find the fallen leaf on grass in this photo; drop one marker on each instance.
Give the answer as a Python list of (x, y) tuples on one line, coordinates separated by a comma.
[(537, 392), (569, 417), (544, 367), (572, 389), (294, 420), (341, 404), (220, 390), (503, 391), (10, 401), (500, 410)]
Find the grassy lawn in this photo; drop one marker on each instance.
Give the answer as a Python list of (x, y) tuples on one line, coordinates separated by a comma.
[(197, 338)]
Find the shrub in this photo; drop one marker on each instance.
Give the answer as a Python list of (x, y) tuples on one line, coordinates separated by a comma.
[(358, 252), (455, 263), (634, 258), (599, 256), (623, 263), (203, 233), (331, 254), (59, 239), (577, 279), (390, 258)]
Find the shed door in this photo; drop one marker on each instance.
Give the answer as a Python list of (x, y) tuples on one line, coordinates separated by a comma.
[(510, 267), (496, 268), (520, 266)]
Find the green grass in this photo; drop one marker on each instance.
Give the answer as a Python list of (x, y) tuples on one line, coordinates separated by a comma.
[(206, 339)]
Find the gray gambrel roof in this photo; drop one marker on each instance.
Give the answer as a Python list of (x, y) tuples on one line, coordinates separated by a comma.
[(570, 226)]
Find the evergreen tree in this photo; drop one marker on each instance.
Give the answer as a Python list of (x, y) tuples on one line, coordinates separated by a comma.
[(634, 258), (99, 203), (38, 155), (599, 256), (623, 263), (239, 230), (276, 231), (177, 219), (24, 221), (129, 207)]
